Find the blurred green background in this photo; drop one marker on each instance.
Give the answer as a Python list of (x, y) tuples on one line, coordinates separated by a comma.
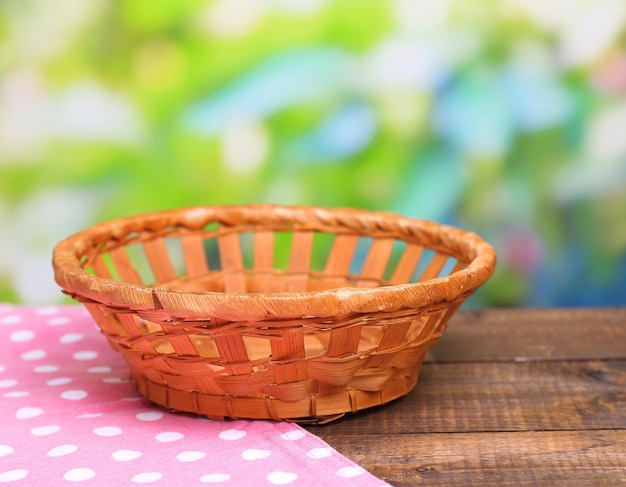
[(507, 118)]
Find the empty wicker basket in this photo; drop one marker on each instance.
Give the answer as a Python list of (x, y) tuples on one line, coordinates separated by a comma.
[(286, 313)]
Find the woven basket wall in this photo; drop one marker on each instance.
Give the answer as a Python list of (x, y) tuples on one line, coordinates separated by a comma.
[(286, 313)]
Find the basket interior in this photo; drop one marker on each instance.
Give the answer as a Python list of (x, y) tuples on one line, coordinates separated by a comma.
[(248, 259)]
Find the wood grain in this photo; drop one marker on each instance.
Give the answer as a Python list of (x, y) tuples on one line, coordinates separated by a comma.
[(567, 458), (453, 398), (533, 334), (507, 397)]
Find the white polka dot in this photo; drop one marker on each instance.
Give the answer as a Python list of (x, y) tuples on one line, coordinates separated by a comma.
[(89, 415), (254, 454), (59, 381), (45, 369), (282, 478), (214, 478), (149, 415), (126, 455), (74, 395), (85, 355), (168, 436), (71, 338), (232, 434), (147, 477), (47, 310), (108, 431), (349, 472), (17, 394), (10, 320), (293, 435), (59, 320), (45, 430), (3, 368), (11, 475), (34, 355), (5, 450), (6, 383), (22, 336), (100, 369), (79, 474), (61, 450), (318, 453), (190, 456), (27, 413)]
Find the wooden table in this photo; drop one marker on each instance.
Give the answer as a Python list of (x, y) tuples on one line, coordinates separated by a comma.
[(507, 397)]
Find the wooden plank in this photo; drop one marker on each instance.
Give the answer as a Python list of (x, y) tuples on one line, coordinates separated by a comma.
[(481, 397), (507, 397), (530, 334), (565, 458)]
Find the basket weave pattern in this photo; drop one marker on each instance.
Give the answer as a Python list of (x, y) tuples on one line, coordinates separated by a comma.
[(286, 313)]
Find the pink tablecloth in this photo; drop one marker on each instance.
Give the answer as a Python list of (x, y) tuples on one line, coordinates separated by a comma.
[(68, 415)]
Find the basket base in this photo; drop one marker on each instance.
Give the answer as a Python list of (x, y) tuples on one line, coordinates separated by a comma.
[(312, 409)]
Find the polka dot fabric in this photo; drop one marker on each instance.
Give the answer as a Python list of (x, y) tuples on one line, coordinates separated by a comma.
[(70, 416)]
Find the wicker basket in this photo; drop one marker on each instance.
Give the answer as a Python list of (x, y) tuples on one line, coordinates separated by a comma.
[(285, 313)]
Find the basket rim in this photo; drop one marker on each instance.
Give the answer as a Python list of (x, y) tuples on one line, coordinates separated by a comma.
[(254, 306)]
